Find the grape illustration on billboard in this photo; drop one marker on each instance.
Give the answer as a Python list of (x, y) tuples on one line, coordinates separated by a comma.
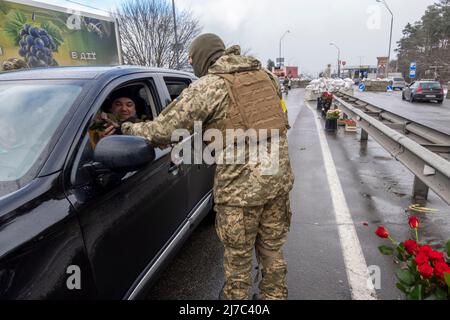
[(32, 37)]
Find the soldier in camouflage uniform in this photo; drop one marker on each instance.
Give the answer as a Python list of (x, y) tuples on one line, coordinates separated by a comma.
[(253, 210), (13, 64)]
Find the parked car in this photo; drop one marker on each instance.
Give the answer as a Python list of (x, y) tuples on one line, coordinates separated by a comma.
[(82, 223), (424, 91), (398, 83)]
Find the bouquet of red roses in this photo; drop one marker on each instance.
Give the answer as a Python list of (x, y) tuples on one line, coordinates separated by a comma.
[(424, 273)]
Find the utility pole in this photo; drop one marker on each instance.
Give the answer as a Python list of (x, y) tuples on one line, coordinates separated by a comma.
[(360, 67), (176, 46), (280, 46), (390, 37), (339, 58)]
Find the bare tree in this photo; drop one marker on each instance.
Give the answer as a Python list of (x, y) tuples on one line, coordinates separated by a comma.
[(147, 33)]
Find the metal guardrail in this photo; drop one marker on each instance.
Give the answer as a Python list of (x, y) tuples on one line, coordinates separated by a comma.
[(423, 150)]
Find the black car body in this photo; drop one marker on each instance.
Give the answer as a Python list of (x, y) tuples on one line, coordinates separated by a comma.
[(424, 91), (71, 228)]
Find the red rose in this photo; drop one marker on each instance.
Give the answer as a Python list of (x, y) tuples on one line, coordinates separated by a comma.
[(440, 268), (425, 250), (382, 233), (414, 222), (426, 271), (411, 247), (421, 259), (436, 256)]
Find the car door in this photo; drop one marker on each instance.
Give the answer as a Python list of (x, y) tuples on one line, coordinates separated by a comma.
[(409, 90), (200, 175), (127, 219)]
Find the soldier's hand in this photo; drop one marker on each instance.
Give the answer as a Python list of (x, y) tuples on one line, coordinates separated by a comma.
[(164, 147)]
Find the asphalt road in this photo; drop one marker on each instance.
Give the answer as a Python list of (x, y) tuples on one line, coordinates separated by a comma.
[(367, 184), (431, 114)]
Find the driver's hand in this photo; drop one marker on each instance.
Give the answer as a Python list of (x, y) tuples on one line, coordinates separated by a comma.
[(109, 131)]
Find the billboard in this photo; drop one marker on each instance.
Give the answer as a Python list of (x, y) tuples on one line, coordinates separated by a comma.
[(40, 35)]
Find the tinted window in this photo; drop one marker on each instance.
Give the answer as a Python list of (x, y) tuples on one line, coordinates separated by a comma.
[(30, 115), (430, 85), (176, 85)]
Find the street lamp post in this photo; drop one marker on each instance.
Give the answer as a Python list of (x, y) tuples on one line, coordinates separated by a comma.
[(280, 43), (339, 59), (360, 65), (390, 37)]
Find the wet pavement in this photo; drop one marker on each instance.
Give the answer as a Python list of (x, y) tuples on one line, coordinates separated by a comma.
[(431, 114), (377, 191)]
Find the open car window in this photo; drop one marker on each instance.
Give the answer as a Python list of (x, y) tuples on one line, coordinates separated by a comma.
[(145, 102)]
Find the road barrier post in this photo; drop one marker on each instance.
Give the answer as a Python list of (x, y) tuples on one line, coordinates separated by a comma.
[(420, 191), (364, 136)]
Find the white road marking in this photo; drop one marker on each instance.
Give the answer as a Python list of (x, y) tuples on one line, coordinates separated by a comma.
[(355, 263)]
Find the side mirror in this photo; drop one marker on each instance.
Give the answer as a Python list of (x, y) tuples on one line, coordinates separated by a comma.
[(124, 153)]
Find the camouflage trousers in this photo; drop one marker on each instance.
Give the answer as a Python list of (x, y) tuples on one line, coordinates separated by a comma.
[(263, 228)]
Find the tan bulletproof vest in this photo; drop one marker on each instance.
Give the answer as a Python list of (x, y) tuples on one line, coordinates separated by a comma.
[(253, 103)]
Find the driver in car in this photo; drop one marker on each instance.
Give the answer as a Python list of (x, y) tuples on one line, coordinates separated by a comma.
[(122, 108)]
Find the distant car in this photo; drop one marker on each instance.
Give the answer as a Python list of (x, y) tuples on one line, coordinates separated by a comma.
[(424, 91), (398, 83)]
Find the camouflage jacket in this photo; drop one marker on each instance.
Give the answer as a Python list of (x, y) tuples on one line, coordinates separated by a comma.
[(103, 120), (206, 100)]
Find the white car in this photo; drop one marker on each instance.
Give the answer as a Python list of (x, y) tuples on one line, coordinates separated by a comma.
[(398, 83)]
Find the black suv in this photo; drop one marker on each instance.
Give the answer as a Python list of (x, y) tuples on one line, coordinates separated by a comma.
[(424, 90), (82, 223)]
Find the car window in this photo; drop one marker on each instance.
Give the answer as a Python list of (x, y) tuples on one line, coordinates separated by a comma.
[(399, 79), (430, 85), (30, 116), (176, 85), (145, 100)]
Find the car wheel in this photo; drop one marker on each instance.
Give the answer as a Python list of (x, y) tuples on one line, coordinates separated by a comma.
[(403, 96), (411, 98), (440, 101)]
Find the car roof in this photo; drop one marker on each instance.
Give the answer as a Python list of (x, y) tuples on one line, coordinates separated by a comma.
[(81, 73)]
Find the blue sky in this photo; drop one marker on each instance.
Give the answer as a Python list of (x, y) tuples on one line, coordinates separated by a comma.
[(359, 27)]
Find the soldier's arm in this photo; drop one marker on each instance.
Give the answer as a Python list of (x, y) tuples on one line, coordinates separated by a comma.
[(200, 102)]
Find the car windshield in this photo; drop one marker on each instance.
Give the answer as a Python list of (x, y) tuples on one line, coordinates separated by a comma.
[(30, 115), (430, 85)]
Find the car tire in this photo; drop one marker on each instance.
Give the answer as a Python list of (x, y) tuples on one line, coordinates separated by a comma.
[(411, 98), (403, 96), (440, 101)]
